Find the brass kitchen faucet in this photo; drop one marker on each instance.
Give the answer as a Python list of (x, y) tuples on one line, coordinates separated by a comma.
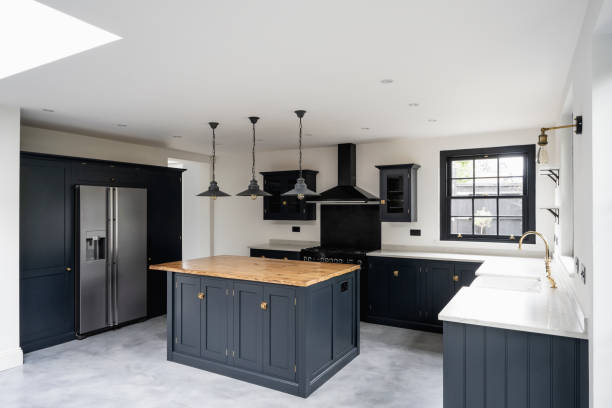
[(547, 259)]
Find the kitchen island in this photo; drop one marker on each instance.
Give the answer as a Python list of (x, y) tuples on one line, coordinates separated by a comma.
[(286, 325)]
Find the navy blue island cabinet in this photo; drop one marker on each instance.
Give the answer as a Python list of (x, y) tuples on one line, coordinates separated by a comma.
[(233, 321)]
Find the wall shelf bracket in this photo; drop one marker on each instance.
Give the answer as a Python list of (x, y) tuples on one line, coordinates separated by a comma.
[(554, 211), (553, 174)]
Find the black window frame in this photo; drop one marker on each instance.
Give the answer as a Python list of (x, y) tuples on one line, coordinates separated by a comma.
[(529, 190)]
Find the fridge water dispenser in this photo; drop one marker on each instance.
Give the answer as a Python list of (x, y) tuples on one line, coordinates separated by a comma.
[(95, 245)]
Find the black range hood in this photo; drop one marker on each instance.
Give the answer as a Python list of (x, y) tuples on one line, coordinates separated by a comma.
[(347, 192)]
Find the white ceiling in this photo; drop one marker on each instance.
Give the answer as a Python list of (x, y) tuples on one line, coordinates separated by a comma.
[(473, 65)]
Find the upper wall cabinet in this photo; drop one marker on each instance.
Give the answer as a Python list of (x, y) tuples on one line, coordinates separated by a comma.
[(277, 207), (398, 192)]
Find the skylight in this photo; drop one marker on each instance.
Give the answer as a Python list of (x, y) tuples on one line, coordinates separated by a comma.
[(32, 34)]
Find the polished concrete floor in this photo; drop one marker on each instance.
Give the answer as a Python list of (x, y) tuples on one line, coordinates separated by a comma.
[(128, 368)]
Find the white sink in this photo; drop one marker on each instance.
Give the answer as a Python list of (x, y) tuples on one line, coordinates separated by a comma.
[(507, 283)]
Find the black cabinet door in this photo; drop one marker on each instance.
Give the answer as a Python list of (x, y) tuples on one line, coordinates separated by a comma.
[(465, 273), (247, 346), (404, 290), (46, 254), (344, 318), (164, 225), (394, 194), (279, 332), (439, 288), (378, 284), (187, 314), (216, 319)]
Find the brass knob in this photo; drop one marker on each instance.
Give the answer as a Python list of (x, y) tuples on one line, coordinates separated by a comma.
[(396, 273), (149, 258), (284, 203), (68, 269), (264, 305), (456, 278), (201, 295), (382, 202), (263, 256), (285, 258)]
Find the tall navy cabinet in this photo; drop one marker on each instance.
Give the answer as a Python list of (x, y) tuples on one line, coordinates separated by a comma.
[(47, 255)]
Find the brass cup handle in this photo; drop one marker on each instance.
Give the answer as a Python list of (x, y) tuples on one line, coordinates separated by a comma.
[(201, 295), (395, 274), (264, 305), (455, 278)]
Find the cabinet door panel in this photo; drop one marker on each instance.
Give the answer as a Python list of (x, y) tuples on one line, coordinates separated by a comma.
[(378, 288), (344, 316), (248, 325), (46, 253), (439, 288), (216, 314), (187, 315), (279, 332), (404, 296), (466, 273)]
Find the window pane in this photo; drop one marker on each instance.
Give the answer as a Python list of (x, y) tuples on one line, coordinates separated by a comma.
[(511, 226), (486, 186), (486, 167), (485, 206), (510, 186), (510, 206), (462, 187), (485, 226), (462, 168), (511, 166), (461, 206), (461, 225)]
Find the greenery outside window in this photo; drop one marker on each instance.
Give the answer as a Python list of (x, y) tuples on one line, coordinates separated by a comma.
[(487, 194)]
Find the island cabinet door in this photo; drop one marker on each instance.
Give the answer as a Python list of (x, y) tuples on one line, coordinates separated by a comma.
[(279, 332), (187, 314), (248, 324), (216, 315)]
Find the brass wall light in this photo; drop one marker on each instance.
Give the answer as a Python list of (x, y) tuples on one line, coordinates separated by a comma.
[(542, 157)]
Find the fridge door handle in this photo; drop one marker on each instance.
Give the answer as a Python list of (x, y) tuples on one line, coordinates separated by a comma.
[(116, 255), (110, 256)]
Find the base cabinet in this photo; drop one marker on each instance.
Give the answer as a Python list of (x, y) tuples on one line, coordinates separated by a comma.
[(411, 292), (491, 367), (288, 338)]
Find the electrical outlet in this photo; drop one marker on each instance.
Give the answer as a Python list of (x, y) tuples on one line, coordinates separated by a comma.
[(415, 232), (583, 273), (576, 265), (295, 229)]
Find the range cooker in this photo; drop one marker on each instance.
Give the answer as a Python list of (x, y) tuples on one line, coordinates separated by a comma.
[(334, 255)]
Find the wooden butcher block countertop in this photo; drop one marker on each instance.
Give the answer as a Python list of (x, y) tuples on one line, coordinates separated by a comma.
[(284, 272)]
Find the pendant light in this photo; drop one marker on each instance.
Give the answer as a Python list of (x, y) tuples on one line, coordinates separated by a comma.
[(253, 190), (300, 189), (213, 189)]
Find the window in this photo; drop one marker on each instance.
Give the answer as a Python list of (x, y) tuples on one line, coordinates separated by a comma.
[(487, 194)]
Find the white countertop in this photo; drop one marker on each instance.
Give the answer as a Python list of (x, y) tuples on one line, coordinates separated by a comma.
[(548, 311), (280, 245)]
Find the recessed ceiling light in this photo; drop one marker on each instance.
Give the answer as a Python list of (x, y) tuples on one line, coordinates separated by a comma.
[(48, 110), (44, 35), (259, 140), (177, 136), (386, 81), (308, 134), (432, 120), (121, 125), (413, 105), (365, 128)]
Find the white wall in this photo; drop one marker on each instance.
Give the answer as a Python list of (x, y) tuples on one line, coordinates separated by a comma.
[(10, 352), (602, 219), (239, 223), (48, 141), (196, 210)]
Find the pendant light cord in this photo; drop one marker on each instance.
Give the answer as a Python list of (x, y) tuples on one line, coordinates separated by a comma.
[(300, 146), (253, 167), (214, 157)]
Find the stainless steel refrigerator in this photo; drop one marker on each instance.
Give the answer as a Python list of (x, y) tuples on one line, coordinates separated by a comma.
[(112, 250)]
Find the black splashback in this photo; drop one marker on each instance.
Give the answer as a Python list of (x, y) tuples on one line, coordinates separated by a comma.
[(350, 226)]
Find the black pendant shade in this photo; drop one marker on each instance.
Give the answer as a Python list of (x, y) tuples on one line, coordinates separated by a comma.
[(300, 190), (213, 189), (253, 189)]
